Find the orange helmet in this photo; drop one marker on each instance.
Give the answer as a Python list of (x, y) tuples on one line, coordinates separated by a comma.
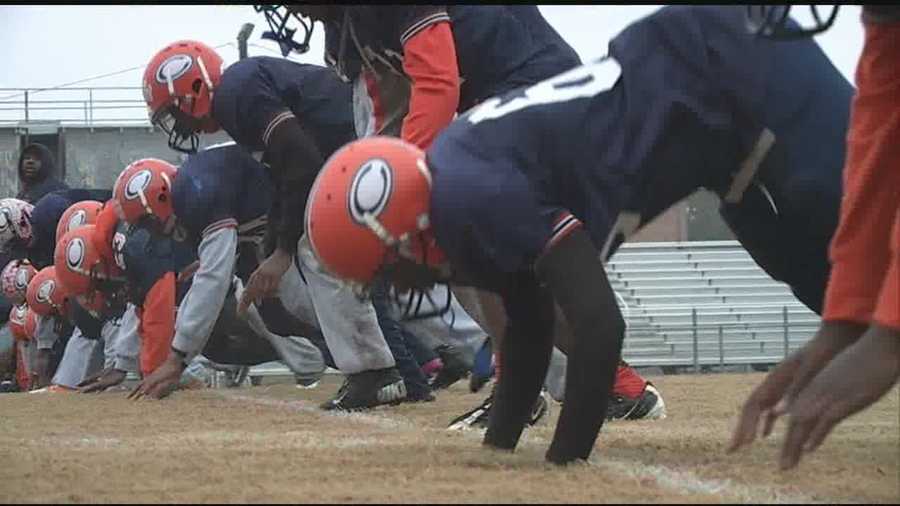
[(144, 188), (80, 264), (15, 222), (17, 317), (15, 278), (46, 296), (77, 215), (179, 83), (369, 203)]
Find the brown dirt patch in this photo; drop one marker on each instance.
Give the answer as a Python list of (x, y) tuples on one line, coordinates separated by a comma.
[(271, 444)]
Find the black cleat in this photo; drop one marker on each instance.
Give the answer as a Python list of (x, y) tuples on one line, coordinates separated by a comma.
[(8, 387), (368, 389), (478, 417), (426, 397)]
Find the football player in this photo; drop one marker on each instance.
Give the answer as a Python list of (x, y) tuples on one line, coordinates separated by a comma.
[(413, 67), (293, 116), (30, 233), (854, 359), (158, 261), (528, 194)]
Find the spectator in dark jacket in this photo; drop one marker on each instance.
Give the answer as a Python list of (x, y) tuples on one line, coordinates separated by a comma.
[(37, 173), (37, 177)]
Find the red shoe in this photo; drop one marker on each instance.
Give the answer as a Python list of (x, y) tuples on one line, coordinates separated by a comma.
[(634, 398)]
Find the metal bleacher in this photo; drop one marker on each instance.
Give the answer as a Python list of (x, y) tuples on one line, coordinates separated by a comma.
[(696, 305), (704, 304)]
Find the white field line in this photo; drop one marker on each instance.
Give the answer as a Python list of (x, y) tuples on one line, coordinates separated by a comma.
[(683, 482), (307, 407), (293, 439)]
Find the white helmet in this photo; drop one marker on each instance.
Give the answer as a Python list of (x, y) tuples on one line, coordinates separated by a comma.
[(15, 222)]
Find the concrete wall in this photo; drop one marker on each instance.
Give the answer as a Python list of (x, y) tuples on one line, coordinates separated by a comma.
[(695, 218), (9, 157), (95, 156)]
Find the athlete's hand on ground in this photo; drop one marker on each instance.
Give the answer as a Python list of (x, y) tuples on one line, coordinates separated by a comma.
[(853, 381), (265, 279), (41, 369), (161, 382), (770, 399), (102, 380)]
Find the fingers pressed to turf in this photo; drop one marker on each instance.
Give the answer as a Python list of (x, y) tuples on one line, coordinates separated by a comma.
[(761, 402)]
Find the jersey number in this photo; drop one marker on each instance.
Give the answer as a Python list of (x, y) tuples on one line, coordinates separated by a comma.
[(584, 81)]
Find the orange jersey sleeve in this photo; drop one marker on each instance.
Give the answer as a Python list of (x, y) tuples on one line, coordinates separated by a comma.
[(860, 250), (429, 59), (157, 323), (104, 229)]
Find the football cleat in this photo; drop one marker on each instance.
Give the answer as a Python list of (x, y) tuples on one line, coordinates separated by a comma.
[(368, 389), (648, 406)]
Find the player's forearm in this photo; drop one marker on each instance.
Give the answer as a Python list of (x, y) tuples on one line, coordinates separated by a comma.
[(273, 225), (860, 251), (203, 302), (577, 279), (42, 368), (526, 356), (46, 334), (430, 62), (127, 342), (296, 159)]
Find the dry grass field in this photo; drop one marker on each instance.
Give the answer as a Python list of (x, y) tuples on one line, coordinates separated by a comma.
[(271, 444)]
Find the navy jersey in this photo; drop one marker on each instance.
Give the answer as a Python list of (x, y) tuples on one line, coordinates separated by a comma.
[(680, 104), (45, 216), (255, 92), (498, 47), (222, 185), (146, 256)]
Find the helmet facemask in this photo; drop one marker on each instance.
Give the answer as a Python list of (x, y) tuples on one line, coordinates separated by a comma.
[(771, 21), (180, 126), (278, 18)]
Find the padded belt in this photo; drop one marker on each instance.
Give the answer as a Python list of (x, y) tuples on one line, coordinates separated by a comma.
[(749, 167)]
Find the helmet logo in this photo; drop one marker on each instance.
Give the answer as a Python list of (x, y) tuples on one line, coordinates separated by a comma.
[(370, 189), (45, 291), (118, 248), (174, 67), (21, 281), (4, 218), (78, 219), (137, 184), (75, 254), (19, 314)]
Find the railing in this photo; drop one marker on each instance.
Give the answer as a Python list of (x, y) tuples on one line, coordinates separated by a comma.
[(704, 355), (710, 346), (83, 106)]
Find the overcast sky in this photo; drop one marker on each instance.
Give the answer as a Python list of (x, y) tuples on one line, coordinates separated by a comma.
[(43, 46)]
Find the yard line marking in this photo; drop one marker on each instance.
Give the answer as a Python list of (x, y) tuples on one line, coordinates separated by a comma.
[(679, 481), (307, 407)]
